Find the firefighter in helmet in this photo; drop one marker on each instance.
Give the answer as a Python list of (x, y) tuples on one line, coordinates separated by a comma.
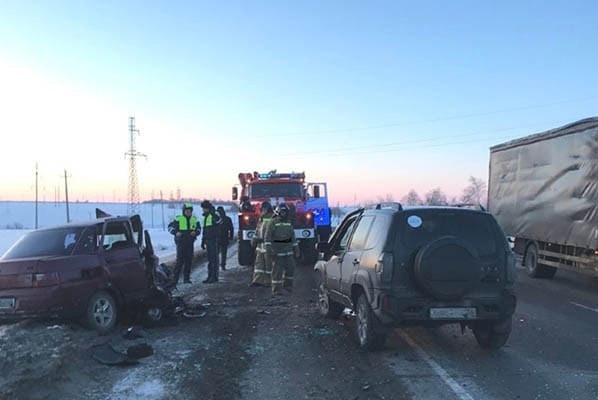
[(186, 229), (262, 270), (281, 244)]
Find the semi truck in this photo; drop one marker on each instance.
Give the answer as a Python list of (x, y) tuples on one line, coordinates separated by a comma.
[(543, 190), (308, 202)]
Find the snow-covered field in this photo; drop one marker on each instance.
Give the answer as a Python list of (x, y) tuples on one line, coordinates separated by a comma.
[(22, 215), (18, 218)]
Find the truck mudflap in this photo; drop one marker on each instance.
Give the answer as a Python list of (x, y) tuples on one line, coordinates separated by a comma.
[(305, 233)]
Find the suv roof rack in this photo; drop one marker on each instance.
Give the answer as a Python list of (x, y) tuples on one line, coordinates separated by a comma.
[(470, 205), (395, 205)]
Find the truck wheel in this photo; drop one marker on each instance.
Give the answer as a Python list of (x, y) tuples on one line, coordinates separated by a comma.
[(534, 268), (309, 253), (101, 313), (327, 307), (369, 334), (492, 335), (245, 253)]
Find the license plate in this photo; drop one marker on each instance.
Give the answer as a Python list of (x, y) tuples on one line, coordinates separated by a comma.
[(7, 303), (453, 313)]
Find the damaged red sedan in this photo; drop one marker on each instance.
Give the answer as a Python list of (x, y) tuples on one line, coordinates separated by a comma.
[(89, 271)]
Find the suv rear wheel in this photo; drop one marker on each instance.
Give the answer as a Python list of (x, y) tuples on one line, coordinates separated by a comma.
[(369, 334), (492, 335)]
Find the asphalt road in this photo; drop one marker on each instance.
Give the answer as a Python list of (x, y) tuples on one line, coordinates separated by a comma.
[(251, 346), (552, 352)]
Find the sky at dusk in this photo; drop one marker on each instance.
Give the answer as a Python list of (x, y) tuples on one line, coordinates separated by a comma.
[(374, 97)]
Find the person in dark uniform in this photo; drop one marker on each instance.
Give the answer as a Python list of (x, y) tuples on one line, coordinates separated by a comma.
[(226, 235), (209, 240), (186, 229)]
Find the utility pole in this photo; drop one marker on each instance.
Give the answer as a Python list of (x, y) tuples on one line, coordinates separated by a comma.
[(133, 154), (66, 195), (153, 201), (36, 206), (162, 204)]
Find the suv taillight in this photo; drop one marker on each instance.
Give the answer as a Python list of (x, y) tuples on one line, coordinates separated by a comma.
[(384, 266)]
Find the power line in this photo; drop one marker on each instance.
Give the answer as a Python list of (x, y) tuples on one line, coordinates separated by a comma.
[(424, 121), (363, 149)]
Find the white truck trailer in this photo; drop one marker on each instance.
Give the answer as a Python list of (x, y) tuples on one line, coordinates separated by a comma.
[(543, 190)]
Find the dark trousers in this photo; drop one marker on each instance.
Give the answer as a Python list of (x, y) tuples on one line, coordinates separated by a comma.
[(184, 258), (212, 250), (222, 249)]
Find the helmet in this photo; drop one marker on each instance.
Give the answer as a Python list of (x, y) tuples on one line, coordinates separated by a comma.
[(206, 204), (266, 207), (282, 210), (187, 206)]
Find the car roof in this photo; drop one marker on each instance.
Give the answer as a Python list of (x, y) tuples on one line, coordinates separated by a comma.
[(394, 210), (83, 224)]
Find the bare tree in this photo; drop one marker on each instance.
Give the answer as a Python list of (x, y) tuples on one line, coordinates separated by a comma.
[(436, 197), (389, 198), (476, 191), (412, 199)]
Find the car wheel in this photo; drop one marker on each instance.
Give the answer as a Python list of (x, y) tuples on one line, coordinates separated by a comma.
[(492, 335), (367, 327), (102, 312), (327, 307), (154, 314), (534, 268)]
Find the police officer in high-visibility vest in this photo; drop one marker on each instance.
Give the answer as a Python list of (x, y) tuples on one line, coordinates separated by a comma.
[(281, 244), (209, 240), (186, 229), (262, 270)]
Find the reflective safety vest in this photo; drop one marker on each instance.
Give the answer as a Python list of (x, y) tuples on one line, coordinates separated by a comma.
[(208, 220), (282, 231), (182, 221), (261, 231)]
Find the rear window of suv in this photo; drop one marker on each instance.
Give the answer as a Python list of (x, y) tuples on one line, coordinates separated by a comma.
[(419, 227)]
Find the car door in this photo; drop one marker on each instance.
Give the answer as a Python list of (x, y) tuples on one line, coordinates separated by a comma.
[(352, 258), (337, 252), (123, 259)]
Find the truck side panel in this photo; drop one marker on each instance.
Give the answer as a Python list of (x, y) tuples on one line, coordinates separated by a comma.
[(547, 189)]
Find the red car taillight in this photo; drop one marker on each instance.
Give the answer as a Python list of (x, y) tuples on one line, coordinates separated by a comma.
[(384, 266), (42, 280)]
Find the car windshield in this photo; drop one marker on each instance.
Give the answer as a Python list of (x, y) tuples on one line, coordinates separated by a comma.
[(261, 190), (42, 243), (421, 227)]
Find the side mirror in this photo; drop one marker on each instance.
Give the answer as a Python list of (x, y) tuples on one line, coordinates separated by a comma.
[(317, 192), (235, 193)]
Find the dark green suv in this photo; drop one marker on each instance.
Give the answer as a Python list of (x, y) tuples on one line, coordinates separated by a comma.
[(419, 266)]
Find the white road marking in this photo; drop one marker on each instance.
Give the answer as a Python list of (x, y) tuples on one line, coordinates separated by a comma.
[(461, 393), (584, 307)]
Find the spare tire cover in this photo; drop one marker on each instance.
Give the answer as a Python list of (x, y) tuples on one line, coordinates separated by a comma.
[(448, 268)]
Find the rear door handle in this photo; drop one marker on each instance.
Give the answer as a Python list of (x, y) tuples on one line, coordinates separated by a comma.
[(356, 261)]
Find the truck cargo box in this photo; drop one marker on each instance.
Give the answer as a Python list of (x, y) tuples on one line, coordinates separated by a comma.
[(544, 187)]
